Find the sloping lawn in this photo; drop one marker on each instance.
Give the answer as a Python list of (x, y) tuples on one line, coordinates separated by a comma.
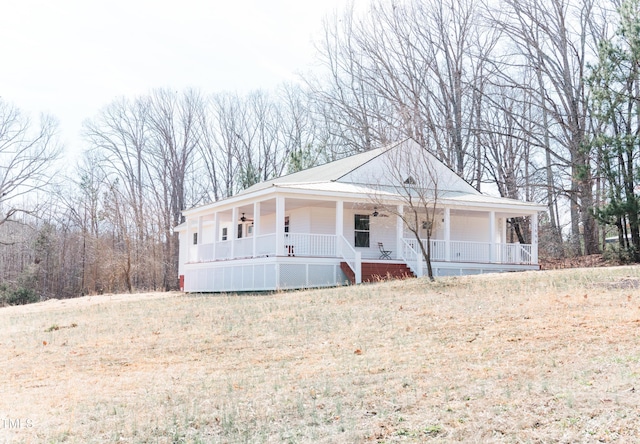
[(525, 357)]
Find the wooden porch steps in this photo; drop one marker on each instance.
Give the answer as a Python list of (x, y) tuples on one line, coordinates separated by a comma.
[(378, 271)]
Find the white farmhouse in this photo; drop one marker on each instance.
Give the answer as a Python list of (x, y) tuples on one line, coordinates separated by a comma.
[(341, 223)]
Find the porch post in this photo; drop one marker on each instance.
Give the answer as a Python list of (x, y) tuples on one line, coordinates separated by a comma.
[(339, 226), (447, 234), (199, 242), (256, 227), (492, 236), (279, 225), (399, 232), (189, 241), (234, 231), (534, 238), (216, 232)]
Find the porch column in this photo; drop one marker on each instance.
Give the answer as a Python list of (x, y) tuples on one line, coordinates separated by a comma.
[(189, 241), (399, 231), (216, 233), (234, 231), (339, 226), (199, 241), (534, 238), (492, 236), (256, 227), (279, 225), (447, 234), (200, 218)]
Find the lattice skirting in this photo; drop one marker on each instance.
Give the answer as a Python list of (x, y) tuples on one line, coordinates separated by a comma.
[(262, 277)]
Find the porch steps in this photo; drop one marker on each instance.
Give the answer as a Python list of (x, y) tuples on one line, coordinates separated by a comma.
[(378, 271)]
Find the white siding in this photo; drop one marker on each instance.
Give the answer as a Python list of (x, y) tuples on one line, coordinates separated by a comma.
[(323, 220), (299, 220), (381, 229), (470, 227), (267, 223), (183, 251), (377, 171), (207, 236)]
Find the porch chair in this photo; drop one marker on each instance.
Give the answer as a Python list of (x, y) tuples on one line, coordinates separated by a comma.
[(384, 254)]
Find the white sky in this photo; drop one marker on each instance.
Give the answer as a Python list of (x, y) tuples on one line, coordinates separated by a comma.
[(69, 58)]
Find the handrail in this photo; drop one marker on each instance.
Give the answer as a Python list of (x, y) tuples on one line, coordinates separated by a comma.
[(411, 257), (470, 251), (352, 258)]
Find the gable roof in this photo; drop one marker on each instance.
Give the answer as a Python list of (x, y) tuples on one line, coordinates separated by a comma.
[(367, 174), (328, 172), (366, 168)]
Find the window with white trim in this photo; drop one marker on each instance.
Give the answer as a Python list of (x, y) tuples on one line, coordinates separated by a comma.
[(361, 229)]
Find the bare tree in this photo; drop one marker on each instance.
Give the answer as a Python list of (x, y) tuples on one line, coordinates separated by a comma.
[(555, 40), (27, 155), (413, 177)]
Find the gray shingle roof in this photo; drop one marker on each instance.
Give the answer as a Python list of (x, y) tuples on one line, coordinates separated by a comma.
[(329, 172)]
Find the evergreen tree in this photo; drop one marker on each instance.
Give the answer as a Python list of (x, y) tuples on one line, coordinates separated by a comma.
[(615, 87)]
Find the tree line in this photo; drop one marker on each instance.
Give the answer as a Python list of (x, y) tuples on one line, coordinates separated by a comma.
[(532, 99)]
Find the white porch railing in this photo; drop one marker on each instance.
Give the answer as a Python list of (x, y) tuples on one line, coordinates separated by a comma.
[(464, 251), (205, 252), (266, 245), (411, 256), (352, 257), (329, 245), (243, 247), (223, 250), (315, 245), (514, 254)]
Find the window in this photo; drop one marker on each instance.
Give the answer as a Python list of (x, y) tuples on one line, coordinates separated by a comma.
[(286, 224), (410, 181), (239, 231), (250, 230), (195, 238), (224, 234), (361, 225)]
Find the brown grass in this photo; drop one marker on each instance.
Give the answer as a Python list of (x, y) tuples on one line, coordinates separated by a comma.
[(530, 357)]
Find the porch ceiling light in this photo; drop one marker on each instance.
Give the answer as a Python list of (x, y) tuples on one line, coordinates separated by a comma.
[(375, 212)]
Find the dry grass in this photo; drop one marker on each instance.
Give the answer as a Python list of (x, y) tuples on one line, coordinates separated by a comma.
[(530, 357)]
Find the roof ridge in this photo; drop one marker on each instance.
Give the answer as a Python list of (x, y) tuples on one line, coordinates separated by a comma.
[(382, 149)]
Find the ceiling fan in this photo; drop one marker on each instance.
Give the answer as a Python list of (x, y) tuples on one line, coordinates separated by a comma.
[(245, 219), (376, 213)]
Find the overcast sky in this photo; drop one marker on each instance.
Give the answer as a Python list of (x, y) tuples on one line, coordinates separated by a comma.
[(69, 58)]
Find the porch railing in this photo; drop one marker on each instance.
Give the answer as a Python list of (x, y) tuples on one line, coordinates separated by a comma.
[(352, 257), (329, 245), (223, 250), (316, 245), (411, 256), (514, 253), (465, 251), (266, 245)]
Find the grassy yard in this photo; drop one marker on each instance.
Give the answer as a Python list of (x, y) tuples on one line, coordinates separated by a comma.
[(529, 357)]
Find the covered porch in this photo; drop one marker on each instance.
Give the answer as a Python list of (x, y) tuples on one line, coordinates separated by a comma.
[(352, 231)]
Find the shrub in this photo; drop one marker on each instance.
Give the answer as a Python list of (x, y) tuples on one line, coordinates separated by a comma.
[(619, 253), (17, 295), (22, 296)]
